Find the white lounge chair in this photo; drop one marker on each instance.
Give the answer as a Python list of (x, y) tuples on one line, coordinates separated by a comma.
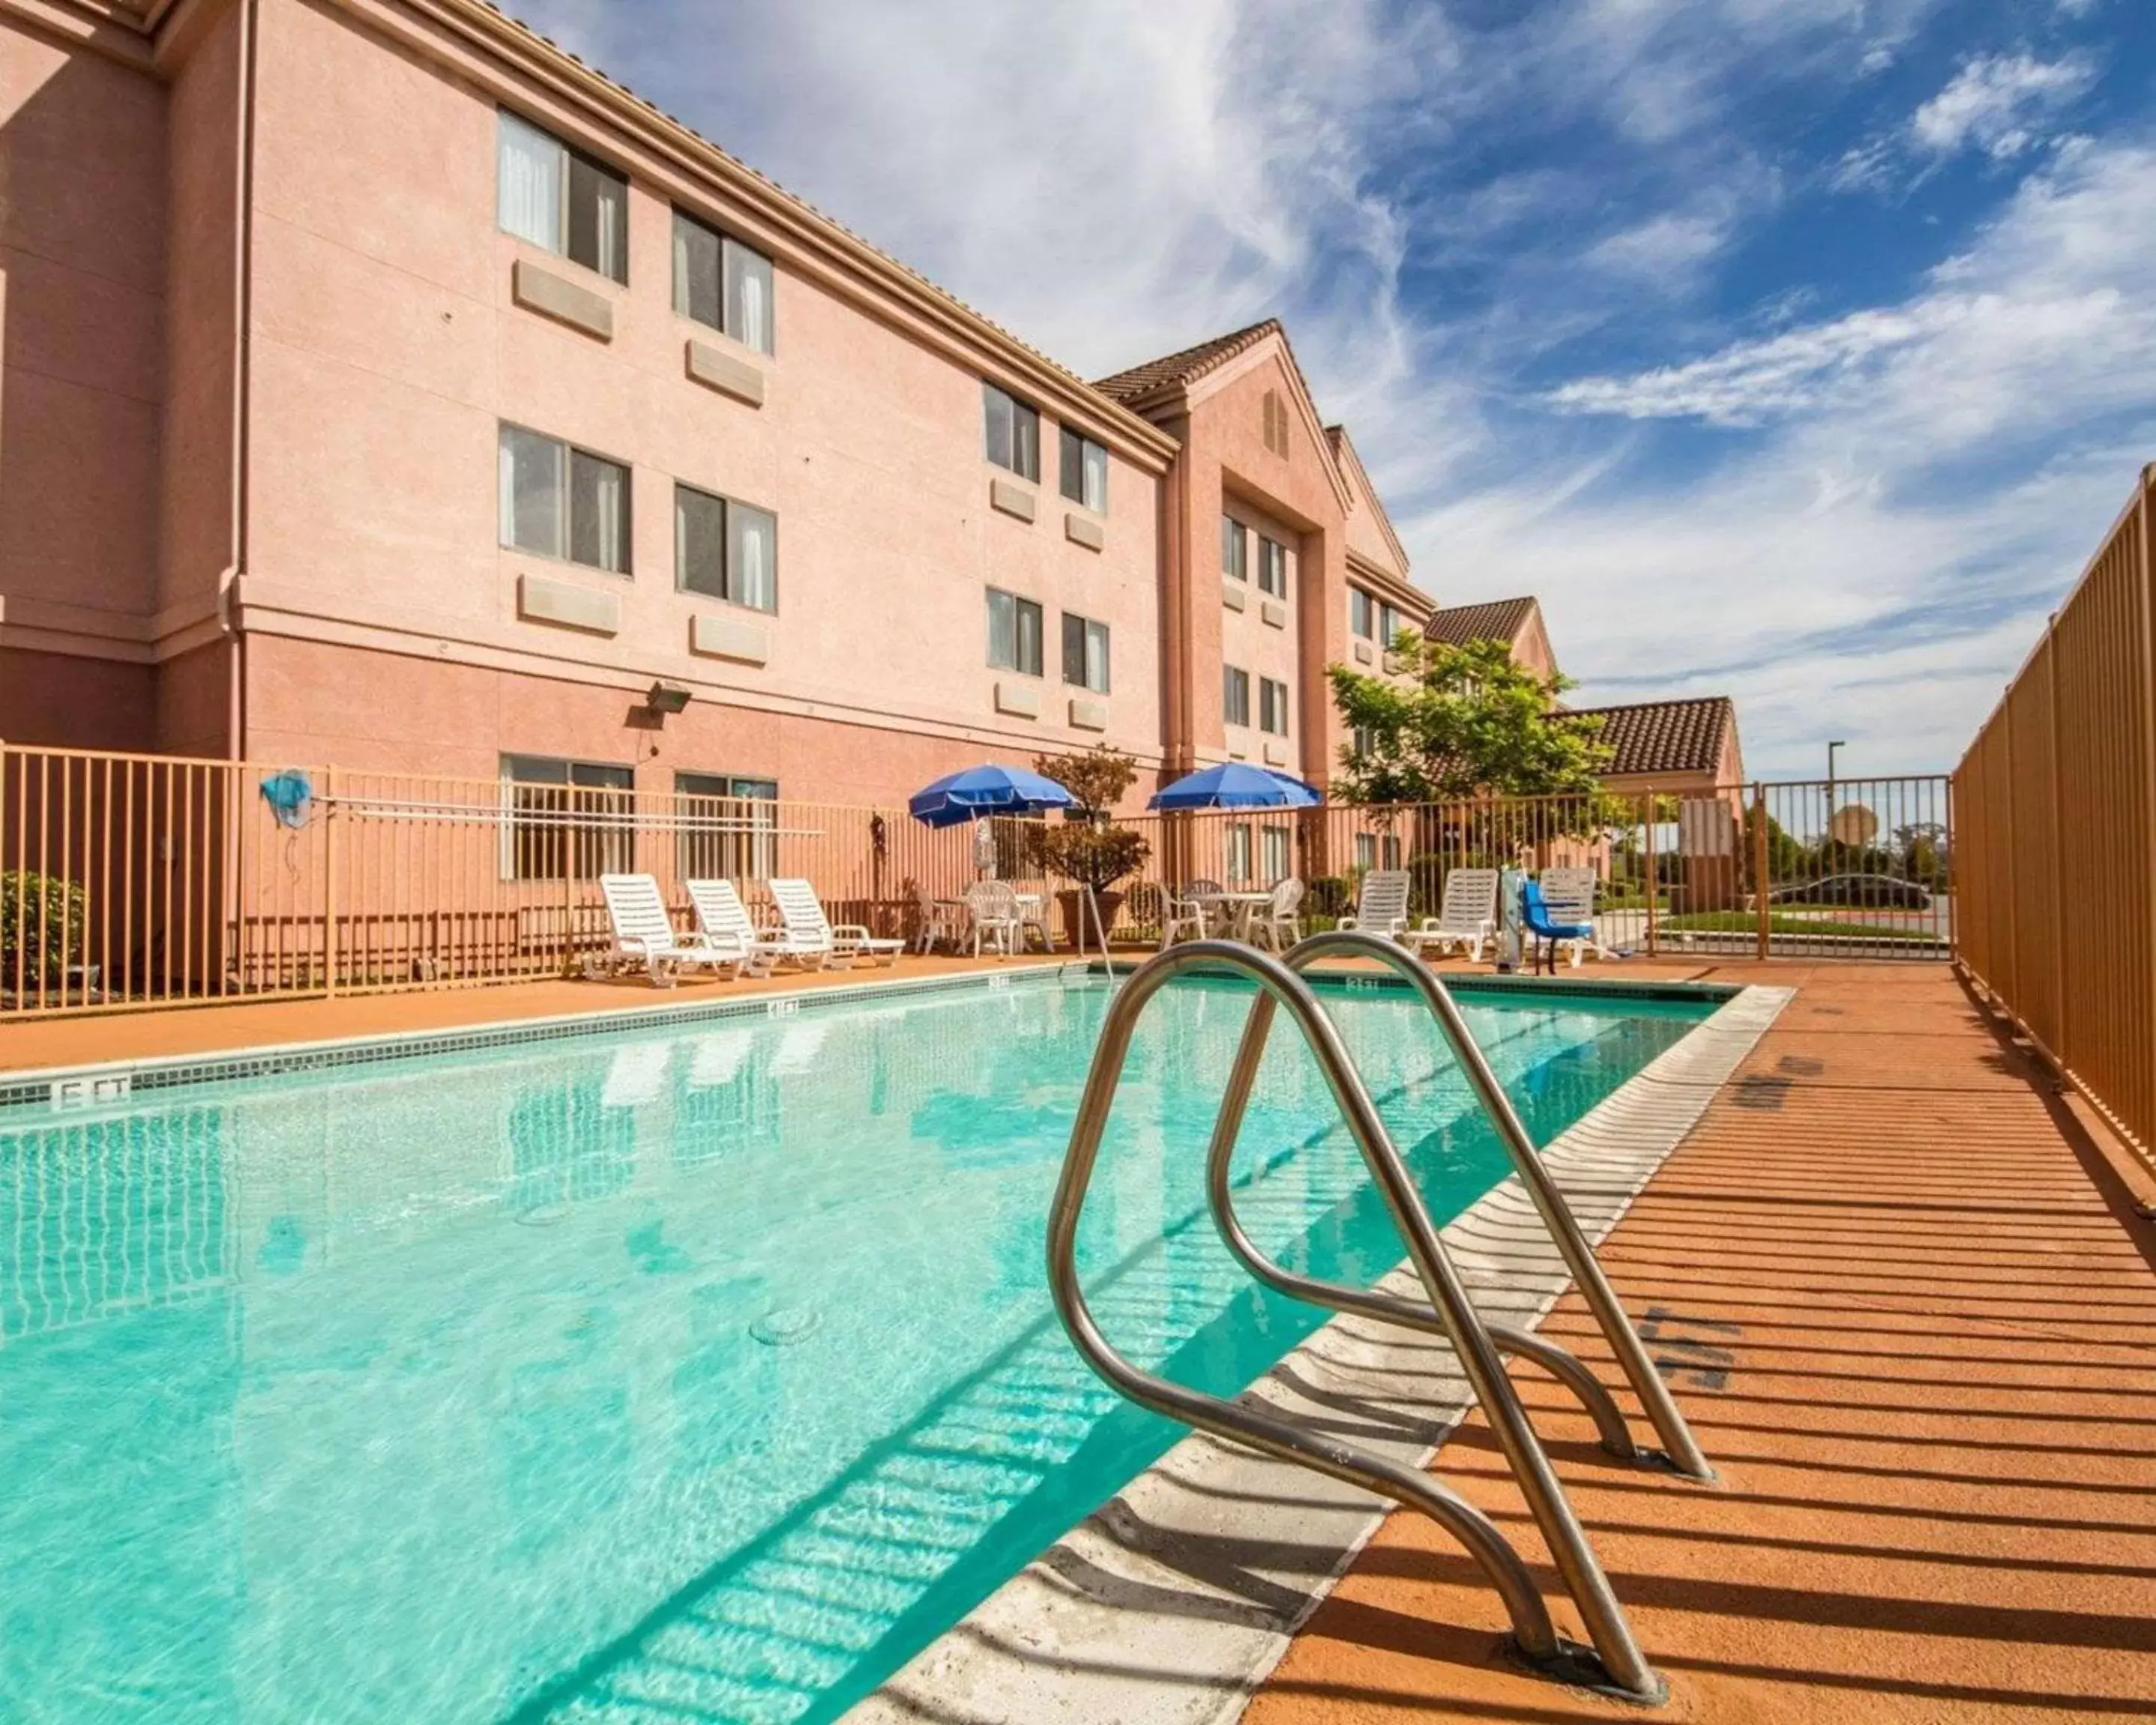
[(1381, 908), (1466, 919), (722, 916), (644, 934), (1569, 894), (802, 913), (1276, 925)]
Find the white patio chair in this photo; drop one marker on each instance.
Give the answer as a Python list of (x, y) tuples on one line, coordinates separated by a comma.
[(1467, 918), (942, 919), (721, 913), (993, 909), (1189, 911), (1276, 925), (1381, 908), (1569, 894), (802, 913), (644, 934), (1033, 917)]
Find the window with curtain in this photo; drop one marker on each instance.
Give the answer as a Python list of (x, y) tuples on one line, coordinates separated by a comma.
[(567, 818), (560, 199), (1237, 835), (1234, 549), (727, 827), (1014, 633), (1272, 567), (722, 283), (1366, 851), (1012, 431), (1234, 695), (725, 549), (1272, 706), (1388, 625), (1085, 471), (1084, 653), (1361, 618), (1274, 849), (561, 501)]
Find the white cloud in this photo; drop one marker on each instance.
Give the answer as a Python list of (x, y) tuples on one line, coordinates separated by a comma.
[(1999, 103)]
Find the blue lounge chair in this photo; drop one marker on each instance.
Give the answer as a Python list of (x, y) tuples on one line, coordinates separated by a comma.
[(1535, 918)]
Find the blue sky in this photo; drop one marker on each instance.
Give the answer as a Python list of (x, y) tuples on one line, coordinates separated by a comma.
[(1797, 350)]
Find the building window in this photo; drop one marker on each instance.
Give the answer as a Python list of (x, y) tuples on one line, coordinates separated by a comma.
[(558, 502), (1234, 549), (567, 818), (1388, 625), (1272, 706), (1085, 653), (1275, 419), (1272, 568), (1362, 613), (560, 199), (1014, 633), (1366, 851), (1360, 740), (1234, 695), (1085, 471), (1273, 843), (726, 826), (724, 550), (719, 281), (1012, 431), (1238, 858), (1392, 847)]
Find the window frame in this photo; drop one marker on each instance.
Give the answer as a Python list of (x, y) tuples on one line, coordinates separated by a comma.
[(1236, 850), (1272, 704), (1362, 613), (1234, 549), (1076, 444), (571, 157), (728, 246), (749, 853), (1272, 566), (1275, 853), (566, 488), (1235, 696), (1087, 626), (730, 576), (1029, 470), (1019, 605), (545, 852)]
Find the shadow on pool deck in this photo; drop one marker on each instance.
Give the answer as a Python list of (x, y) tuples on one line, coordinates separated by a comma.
[(1909, 1307)]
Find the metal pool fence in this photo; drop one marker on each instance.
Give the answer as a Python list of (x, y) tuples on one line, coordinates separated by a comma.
[(133, 881), (2057, 799)]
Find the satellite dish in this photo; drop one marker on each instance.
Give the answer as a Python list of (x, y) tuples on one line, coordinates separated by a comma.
[(1853, 824)]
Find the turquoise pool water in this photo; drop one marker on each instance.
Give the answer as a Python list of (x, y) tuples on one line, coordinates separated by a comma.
[(705, 1374)]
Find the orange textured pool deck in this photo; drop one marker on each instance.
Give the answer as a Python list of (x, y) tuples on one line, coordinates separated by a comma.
[(1910, 1308)]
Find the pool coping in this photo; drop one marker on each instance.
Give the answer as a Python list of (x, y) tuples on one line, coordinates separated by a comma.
[(72, 1090), (1174, 1601)]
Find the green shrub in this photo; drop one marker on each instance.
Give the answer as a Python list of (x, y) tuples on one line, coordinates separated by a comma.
[(44, 915), (1329, 895)]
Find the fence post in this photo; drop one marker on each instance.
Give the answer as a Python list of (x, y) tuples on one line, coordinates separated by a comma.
[(330, 884), (1759, 859), (2061, 1046), (1654, 868)]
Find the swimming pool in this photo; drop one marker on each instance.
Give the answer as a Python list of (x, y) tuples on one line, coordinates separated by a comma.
[(694, 1371)]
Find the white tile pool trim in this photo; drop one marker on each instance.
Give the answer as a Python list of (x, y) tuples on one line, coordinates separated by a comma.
[(1172, 1604)]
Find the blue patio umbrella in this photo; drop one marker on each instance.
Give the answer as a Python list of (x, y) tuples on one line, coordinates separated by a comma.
[(980, 791), (1233, 785)]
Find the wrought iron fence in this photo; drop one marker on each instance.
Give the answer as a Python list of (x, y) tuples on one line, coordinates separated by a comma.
[(2057, 797)]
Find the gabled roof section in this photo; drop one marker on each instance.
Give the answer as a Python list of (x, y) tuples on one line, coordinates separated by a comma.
[(1496, 620), (1666, 737), (1351, 463), (1172, 371)]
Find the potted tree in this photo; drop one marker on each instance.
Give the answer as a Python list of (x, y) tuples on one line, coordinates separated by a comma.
[(1087, 847)]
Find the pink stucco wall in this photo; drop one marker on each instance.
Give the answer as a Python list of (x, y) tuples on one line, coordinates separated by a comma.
[(387, 351)]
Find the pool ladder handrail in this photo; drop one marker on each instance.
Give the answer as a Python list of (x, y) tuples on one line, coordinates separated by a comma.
[(1617, 1663)]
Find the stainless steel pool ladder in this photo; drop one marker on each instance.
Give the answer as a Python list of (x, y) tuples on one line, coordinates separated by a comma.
[(1617, 1663)]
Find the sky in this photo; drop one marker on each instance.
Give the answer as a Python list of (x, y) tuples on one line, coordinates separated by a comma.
[(1801, 350)]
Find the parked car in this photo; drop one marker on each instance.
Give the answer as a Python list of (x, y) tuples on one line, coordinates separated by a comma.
[(1870, 891)]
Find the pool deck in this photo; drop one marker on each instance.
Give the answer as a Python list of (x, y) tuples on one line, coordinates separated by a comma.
[(1904, 1293), (1902, 1290)]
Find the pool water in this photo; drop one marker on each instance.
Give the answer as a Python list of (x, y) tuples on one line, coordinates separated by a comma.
[(707, 1372)]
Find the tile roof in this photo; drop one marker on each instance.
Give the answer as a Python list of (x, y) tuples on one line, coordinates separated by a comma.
[(1172, 370), (1666, 736), (1496, 620)]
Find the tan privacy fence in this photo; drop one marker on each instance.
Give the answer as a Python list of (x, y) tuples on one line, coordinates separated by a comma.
[(131, 881), (2056, 799)]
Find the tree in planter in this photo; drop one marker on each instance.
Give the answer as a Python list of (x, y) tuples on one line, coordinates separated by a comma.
[(1471, 724), (1088, 847)]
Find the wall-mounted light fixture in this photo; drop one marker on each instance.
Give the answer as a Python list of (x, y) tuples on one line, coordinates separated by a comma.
[(666, 698)]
